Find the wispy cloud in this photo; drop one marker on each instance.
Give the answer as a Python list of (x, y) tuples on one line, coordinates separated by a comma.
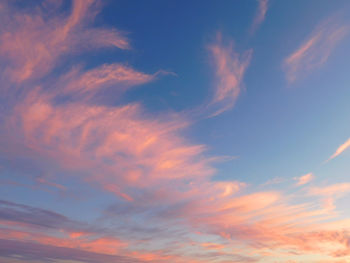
[(43, 252), (35, 43), (35, 217), (331, 190), (340, 149), (260, 14), (229, 70), (316, 49), (167, 206), (304, 179), (84, 85), (26, 228), (330, 193)]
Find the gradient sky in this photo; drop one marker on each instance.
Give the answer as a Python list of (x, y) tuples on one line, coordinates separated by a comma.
[(174, 131)]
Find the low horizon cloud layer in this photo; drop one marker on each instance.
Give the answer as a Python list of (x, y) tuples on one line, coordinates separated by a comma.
[(66, 126)]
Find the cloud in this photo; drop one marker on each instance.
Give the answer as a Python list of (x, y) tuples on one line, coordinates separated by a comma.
[(87, 84), (75, 134), (27, 251), (42, 180), (42, 226), (229, 70), (27, 215), (167, 205), (32, 227), (88, 242), (316, 49), (330, 193), (35, 43), (258, 219), (340, 150), (107, 140), (331, 190), (304, 179), (260, 15), (273, 181)]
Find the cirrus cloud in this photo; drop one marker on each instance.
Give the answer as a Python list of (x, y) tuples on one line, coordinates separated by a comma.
[(167, 207), (316, 49)]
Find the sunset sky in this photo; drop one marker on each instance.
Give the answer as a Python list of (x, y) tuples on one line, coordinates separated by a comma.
[(174, 131)]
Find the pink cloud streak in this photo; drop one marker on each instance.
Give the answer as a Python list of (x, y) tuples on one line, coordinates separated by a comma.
[(260, 15), (304, 179), (315, 50), (34, 43), (229, 70), (340, 149)]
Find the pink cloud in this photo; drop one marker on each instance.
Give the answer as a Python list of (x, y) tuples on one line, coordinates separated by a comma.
[(34, 43), (113, 74), (214, 246), (340, 149), (315, 50), (260, 15), (304, 179), (330, 193), (81, 135), (42, 180), (142, 158), (104, 245), (331, 190), (229, 70)]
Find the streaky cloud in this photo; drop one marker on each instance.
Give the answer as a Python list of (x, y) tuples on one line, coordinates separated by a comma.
[(331, 190), (28, 251), (330, 193), (35, 43), (304, 179), (340, 150), (229, 69), (260, 14), (316, 49), (87, 84)]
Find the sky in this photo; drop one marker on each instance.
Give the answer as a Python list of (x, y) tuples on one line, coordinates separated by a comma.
[(174, 131)]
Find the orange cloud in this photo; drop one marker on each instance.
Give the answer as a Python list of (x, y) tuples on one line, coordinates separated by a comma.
[(304, 179), (229, 69), (214, 246), (340, 149), (316, 49)]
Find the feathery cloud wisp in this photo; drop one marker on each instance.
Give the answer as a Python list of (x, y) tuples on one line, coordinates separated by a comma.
[(330, 193), (34, 43), (229, 70), (304, 179), (260, 15), (331, 190), (340, 149), (316, 49)]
